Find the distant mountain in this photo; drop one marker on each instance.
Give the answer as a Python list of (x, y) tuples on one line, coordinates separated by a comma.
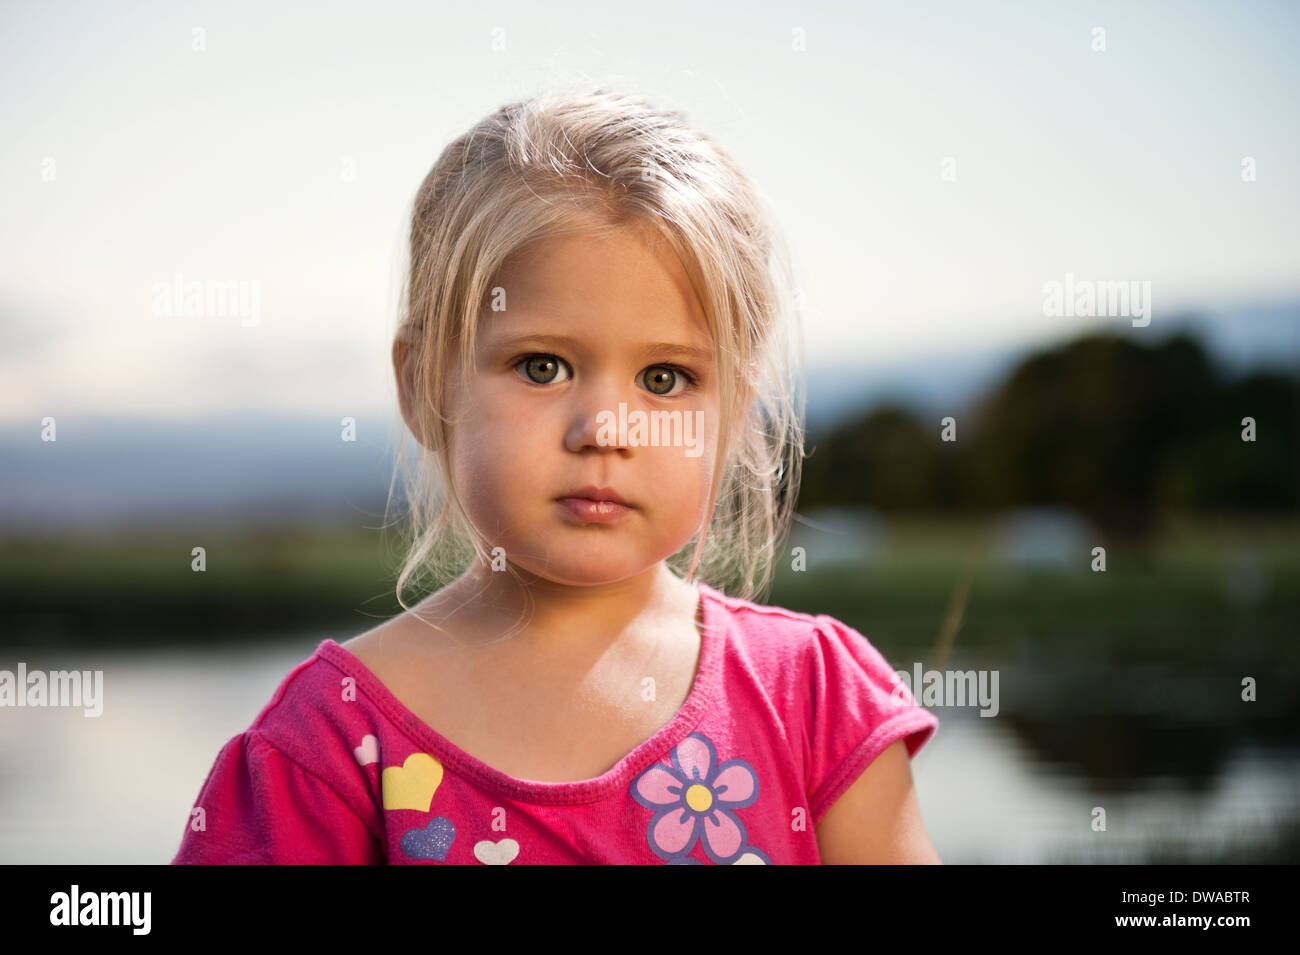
[(941, 383), (1239, 339), (245, 468)]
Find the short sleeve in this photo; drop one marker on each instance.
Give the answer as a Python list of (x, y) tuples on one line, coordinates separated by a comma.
[(260, 807), (858, 708)]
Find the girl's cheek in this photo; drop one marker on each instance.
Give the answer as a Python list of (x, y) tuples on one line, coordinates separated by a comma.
[(506, 405)]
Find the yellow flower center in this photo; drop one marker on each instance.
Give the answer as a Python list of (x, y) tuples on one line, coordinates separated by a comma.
[(699, 798)]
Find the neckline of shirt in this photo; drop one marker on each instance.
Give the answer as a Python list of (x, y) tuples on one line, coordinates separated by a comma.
[(712, 638)]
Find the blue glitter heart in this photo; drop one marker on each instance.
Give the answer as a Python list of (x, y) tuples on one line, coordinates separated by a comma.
[(432, 842)]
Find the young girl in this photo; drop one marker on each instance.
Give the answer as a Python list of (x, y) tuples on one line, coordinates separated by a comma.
[(594, 358)]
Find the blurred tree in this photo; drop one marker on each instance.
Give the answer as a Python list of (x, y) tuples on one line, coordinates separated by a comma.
[(1089, 425), (1218, 471), (884, 459), (1115, 429)]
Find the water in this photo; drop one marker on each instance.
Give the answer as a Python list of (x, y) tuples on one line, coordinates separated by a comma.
[(118, 788)]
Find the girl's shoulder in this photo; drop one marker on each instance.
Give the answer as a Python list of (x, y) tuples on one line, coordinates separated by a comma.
[(797, 648), (328, 705), (413, 661), (739, 606), (382, 649), (795, 631)]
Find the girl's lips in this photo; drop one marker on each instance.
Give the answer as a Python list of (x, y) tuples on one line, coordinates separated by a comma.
[(596, 512)]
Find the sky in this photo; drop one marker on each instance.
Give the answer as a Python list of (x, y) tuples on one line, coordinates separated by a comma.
[(286, 151)]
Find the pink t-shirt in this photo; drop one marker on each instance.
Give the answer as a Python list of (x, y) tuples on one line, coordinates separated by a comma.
[(786, 711)]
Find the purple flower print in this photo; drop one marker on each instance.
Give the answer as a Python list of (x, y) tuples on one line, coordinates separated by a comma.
[(694, 799)]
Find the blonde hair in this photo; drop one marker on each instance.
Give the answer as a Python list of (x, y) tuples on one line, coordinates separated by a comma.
[(595, 162)]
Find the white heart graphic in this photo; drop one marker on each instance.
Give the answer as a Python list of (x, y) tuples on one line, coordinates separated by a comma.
[(496, 853), (749, 859), (368, 751)]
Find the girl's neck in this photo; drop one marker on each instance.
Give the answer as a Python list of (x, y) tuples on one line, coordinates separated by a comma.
[(535, 613)]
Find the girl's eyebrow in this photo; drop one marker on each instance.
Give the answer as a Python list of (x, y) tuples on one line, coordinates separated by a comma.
[(647, 351)]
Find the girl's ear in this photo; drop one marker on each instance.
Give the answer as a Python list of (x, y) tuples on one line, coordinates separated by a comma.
[(404, 369)]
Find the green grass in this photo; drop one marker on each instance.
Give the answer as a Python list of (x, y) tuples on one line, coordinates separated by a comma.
[(1173, 601), (143, 589)]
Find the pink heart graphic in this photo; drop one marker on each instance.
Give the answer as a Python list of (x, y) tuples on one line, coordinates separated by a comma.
[(368, 751)]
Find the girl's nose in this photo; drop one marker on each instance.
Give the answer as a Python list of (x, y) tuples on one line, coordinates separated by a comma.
[(595, 418)]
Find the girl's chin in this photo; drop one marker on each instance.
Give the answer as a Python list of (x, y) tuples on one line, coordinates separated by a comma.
[(588, 571)]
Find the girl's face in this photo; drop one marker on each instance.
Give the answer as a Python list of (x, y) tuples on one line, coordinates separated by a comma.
[(589, 324)]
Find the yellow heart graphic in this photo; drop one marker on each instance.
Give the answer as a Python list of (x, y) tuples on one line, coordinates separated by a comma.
[(412, 785)]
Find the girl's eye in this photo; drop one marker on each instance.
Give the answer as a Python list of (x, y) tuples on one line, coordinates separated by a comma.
[(541, 369), (668, 377), (661, 380)]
